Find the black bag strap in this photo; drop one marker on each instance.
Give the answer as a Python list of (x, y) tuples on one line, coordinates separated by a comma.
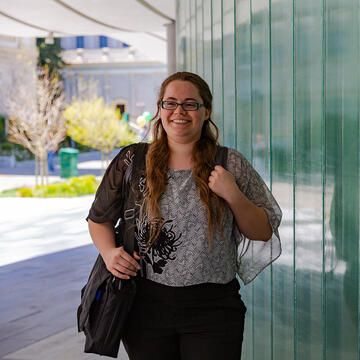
[(131, 193), (99, 273)]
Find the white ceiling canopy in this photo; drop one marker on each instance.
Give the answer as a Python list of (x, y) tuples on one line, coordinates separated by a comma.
[(138, 23)]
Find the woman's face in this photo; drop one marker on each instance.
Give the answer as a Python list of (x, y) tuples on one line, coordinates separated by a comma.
[(183, 126)]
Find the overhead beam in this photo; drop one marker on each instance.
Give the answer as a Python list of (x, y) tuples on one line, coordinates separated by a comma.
[(70, 8), (26, 23), (154, 10)]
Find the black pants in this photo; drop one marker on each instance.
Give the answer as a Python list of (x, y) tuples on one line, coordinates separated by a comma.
[(198, 322)]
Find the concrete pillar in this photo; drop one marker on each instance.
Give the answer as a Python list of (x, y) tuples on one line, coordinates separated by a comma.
[(171, 47)]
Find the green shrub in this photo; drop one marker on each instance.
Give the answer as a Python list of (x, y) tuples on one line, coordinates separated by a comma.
[(6, 146), (9, 193), (55, 190), (25, 192), (83, 185), (2, 128)]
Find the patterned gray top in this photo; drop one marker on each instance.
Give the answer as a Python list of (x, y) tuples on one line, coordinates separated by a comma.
[(181, 256)]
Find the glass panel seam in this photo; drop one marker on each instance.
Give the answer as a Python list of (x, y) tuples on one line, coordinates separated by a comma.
[(212, 47), (202, 39), (177, 31), (251, 86), (190, 37), (251, 160), (253, 320), (270, 96), (235, 78), (271, 154), (358, 111), (196, 38), (185, 66), (358, 117), (222, 70), (323, 164), (294, 172)]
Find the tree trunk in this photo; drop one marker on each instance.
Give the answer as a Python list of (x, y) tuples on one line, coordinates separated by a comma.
[(46, 165), (36, 170), (42, 172)]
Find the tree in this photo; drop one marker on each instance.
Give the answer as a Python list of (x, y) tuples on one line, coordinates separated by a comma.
[(35, 119), (93, 123), (49, 55)]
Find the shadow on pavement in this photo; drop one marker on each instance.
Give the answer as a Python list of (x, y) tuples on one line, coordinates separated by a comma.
[(39, 296)]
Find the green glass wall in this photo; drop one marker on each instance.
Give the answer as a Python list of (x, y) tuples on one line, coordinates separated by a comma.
[(286, 86)]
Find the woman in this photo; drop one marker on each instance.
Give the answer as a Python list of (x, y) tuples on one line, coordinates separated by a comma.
[(198, 226)]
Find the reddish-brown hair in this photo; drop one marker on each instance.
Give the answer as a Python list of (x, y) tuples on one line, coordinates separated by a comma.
[(203, 157)]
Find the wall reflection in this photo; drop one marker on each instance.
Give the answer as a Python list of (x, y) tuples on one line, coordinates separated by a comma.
[(285, 78)]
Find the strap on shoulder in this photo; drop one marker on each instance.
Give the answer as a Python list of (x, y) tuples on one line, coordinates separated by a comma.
[(130, 194), (138, 166)]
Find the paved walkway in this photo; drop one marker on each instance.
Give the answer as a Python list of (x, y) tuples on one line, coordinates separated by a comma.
[(45, 258), (23, 173)]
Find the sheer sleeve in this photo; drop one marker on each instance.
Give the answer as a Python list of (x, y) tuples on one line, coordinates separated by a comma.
[(107, 204), (254, 256)]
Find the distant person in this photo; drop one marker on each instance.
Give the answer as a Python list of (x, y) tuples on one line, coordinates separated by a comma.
[(50, 158), (198, 226)]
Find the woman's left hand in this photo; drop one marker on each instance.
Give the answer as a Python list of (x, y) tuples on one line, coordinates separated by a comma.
[(222, 183)]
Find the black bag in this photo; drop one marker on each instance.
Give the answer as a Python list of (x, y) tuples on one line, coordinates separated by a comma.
[(106, 322), (106, 300)]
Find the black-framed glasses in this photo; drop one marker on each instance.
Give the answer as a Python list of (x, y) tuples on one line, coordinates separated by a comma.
[(187, 106)]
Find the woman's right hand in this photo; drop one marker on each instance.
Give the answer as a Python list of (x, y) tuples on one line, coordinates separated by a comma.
[(120, 263)]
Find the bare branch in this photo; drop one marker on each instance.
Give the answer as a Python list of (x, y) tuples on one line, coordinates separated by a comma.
[(35, 118)]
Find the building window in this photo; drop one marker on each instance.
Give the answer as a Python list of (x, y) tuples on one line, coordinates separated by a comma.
[(91, 42), (80, 42), (103, 41), (68, 43)]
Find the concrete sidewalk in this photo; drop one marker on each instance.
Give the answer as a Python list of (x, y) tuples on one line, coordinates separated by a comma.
[(67, 344), (45, 258), (38, 306)]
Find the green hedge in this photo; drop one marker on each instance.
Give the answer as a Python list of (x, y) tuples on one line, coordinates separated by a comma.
[(75, 186), (2, 128), (8, 148)]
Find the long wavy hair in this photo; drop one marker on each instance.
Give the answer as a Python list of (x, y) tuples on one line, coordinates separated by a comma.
[(203, 157)]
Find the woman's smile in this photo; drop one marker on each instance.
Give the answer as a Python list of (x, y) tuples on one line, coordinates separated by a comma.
[(180, 121)]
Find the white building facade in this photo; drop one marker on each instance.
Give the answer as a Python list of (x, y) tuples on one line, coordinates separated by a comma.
[(100, 66)]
